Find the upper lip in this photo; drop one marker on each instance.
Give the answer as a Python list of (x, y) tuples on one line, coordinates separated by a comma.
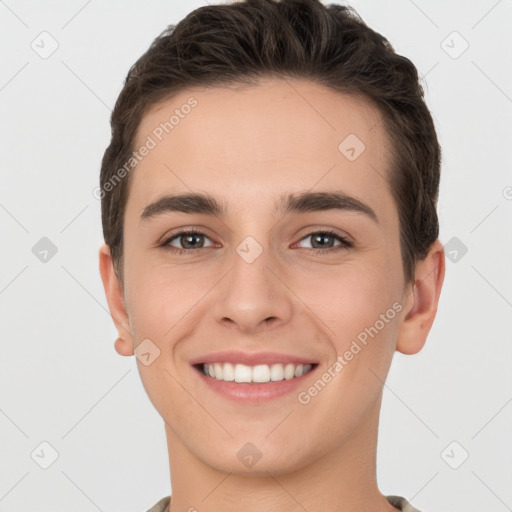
[(251, 358)]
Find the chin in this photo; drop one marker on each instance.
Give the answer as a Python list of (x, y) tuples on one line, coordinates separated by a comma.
[(247, 459)]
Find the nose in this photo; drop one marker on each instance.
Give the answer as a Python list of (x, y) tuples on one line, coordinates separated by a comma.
[(253, 296)]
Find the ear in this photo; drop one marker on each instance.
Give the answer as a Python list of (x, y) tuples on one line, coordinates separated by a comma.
[(114, 293), (421, 300)]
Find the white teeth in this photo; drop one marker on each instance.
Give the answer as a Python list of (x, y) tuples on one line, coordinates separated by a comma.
[(228, 372), (218, 370), (259, 373), (242, 373), (276, 372), (289, 371)]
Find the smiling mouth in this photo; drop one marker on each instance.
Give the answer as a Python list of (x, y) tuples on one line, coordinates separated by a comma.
[(258, 374)]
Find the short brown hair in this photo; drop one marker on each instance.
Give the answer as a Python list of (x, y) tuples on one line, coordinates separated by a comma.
[(231, 44)]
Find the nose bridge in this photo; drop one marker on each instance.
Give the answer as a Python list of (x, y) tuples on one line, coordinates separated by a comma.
[(252, 294)]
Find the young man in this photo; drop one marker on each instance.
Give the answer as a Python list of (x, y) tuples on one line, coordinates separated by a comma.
[(269, 212)]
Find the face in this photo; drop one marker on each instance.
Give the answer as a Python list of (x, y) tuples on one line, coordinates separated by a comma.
[(274, 275)]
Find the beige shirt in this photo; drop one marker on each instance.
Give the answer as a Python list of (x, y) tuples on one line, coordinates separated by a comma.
[(396, 501)]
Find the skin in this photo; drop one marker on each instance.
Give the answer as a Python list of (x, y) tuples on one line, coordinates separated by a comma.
[(259, 142)]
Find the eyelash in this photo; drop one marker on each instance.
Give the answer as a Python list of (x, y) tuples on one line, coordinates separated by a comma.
[(345, 243)]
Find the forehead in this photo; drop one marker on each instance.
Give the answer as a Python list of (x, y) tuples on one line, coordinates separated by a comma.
[(267, 113), (281, 135)]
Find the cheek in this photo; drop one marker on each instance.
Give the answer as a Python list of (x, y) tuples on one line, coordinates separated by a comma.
[(160, 299), (349, 297), (358, 304), (159, 302), (344, 298), (362, 317)]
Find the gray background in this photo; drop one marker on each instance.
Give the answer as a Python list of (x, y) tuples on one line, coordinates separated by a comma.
[(60, 378)]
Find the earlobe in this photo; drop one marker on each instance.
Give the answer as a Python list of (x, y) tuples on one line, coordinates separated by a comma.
[(116, 304), (422, 301), (124, 347)]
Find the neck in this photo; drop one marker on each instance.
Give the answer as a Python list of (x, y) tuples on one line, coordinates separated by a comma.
[(342, 480)]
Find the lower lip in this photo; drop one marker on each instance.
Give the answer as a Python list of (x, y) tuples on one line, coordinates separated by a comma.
[(253, 392)]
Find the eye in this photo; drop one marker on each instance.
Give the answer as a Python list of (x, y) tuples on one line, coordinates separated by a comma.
[(320, 245), (192, 240), (189, 239)]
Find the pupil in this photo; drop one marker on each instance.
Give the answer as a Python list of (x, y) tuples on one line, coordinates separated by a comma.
[(188, 237), (322, 237)]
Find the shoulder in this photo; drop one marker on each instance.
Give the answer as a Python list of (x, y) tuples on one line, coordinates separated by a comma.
[(161, 506), (401, 503), (397, 501)]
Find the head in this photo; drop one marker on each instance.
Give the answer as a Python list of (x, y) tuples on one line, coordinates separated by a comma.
[(275, 113)]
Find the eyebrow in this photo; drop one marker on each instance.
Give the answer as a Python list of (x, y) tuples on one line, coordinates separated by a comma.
[(302, 202)]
